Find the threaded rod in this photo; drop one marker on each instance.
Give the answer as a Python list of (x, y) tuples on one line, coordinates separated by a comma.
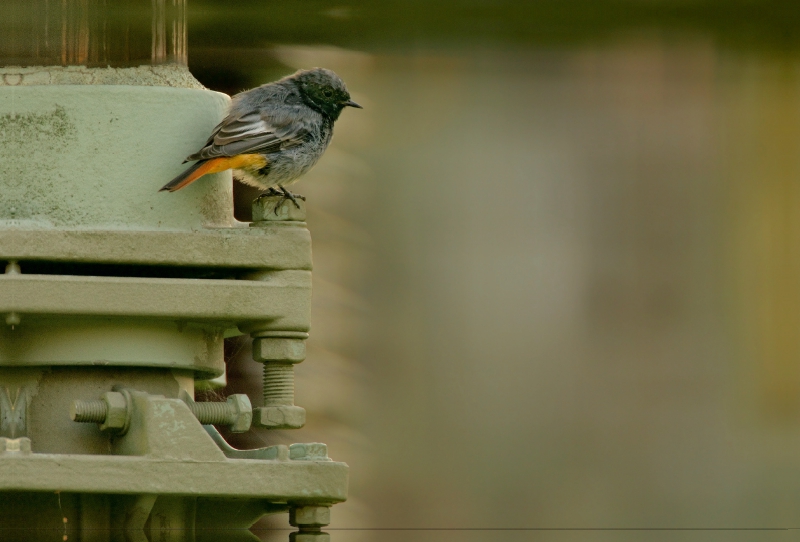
[(92, 411), (213, 413), (278, 384)]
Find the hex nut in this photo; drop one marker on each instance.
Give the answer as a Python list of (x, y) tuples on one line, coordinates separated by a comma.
[(240, 404), (279, 417), (306, 536), (308, 451), (117, 417), (15, 445), (309, 516), (278, 349)]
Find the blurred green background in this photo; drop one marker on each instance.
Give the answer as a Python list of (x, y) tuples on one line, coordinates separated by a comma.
[(556, 262)]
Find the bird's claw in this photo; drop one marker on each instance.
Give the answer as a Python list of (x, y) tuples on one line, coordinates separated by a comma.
[(281, 191), (271, 191), (288, 195)]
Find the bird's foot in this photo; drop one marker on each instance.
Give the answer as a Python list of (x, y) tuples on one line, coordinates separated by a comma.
[(271, 191), (288, 195)]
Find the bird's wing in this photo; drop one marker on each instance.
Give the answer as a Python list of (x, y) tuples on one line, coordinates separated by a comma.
[(249, 133)]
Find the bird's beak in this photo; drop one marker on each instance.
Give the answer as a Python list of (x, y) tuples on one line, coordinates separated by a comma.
[(351, 103)]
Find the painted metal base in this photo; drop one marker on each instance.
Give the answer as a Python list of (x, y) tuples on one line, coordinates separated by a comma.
[(168, 478), (278, 481)]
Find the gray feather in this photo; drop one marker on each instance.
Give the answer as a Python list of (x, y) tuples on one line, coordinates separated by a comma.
[(274, 120)]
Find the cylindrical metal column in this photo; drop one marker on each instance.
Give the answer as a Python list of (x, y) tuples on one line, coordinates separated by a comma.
[(92, 33), (117, 298)]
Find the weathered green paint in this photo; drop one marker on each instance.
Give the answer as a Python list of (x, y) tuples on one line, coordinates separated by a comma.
[(165, 460), (163, 75), (270, 480), (111, 285), (49, 426), (279, 451), (94, 157), (279, 417), (279, 297), (236, 247), (278, 349), (121, 342)]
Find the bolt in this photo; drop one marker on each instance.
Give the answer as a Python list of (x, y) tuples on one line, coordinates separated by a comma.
[(110, 411), (309, 520), (270, 347), (279, 417), (279, 411), (279, 351), (236, 412), (93, 411), (278, 384), (310, 516), (309, 535)]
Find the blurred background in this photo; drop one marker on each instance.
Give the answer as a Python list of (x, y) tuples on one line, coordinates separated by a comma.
[(556, 265)]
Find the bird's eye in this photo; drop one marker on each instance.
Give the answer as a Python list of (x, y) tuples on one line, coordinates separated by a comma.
[(327, 93)]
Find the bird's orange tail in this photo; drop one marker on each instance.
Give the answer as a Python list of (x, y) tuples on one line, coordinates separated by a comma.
[(193, 173), (215, 165)]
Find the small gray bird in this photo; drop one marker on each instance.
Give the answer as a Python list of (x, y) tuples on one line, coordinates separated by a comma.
[(274, 133)]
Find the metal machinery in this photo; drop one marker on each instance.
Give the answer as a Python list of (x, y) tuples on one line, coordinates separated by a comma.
[(116, 299)]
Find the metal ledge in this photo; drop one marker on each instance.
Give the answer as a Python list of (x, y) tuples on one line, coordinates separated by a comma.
[(276, 481), (281, 297), (284, 245)]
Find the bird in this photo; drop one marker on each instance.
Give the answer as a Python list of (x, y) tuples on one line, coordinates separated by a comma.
[(273, 134)]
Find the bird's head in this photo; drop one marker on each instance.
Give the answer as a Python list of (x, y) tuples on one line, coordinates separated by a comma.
[(324, 91)]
